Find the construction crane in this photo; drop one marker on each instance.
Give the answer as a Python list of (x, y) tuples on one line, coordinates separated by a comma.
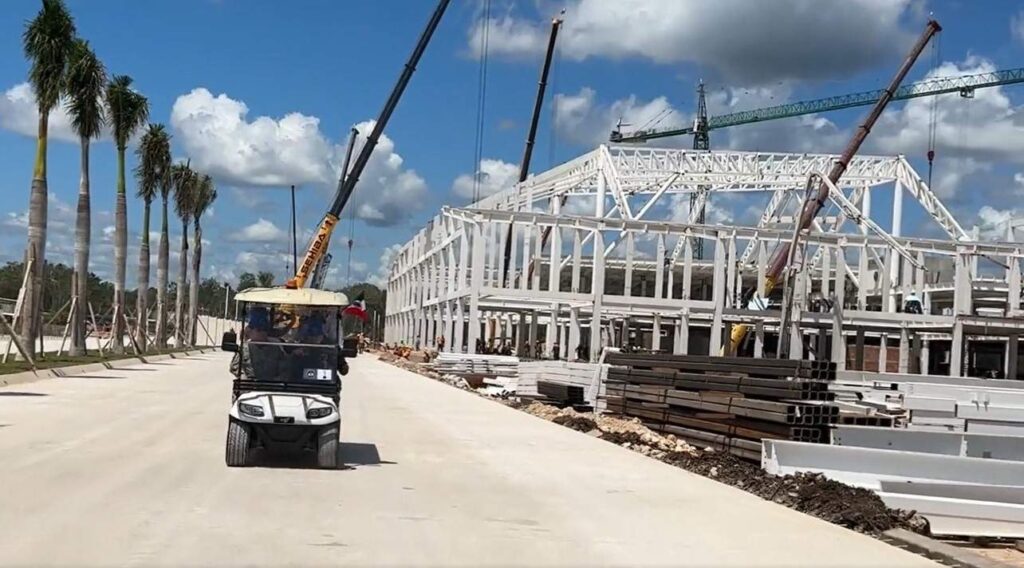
[(964, 84), (531, 137), (347, 183), (816, 198), (319, 275)]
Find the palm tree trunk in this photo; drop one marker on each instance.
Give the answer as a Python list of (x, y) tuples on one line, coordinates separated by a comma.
[(80, 284), (179, 297), (142, 301), (36, 249), (120, 254), (193, 293), (161, 281)]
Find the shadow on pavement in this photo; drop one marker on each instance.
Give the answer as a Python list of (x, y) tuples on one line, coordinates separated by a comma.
[(350, 456), (92, 377), (6, 393)]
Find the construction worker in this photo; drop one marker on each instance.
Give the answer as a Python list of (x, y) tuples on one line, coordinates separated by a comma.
[(262, 365), (912, 304)]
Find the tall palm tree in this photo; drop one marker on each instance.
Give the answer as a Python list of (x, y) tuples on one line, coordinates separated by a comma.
[(153, 174), (162, 258), (127, 111), (184, 180), (86, 80), (47, 41), (204, 195)]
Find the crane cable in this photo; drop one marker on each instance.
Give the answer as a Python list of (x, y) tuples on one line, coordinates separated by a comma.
[(481, 98), (934, 110), (553, 126)]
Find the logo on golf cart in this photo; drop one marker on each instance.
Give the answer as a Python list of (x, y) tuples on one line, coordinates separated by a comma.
[(317, 374)]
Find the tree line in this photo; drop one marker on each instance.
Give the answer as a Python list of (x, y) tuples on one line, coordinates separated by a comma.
[(64, 70)]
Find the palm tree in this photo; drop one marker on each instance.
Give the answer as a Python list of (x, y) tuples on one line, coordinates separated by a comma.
[(203, 196), (86, 80), (127, 111), (153, 174), (47, 41), (184, 180)]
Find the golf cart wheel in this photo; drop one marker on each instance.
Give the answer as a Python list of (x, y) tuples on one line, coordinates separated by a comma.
[(327, 447), (236, 451)]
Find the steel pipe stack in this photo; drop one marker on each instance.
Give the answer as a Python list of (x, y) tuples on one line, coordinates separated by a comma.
[(729, 403)]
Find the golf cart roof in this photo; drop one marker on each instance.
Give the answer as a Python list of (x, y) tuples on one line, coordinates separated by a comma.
[(292, 296)]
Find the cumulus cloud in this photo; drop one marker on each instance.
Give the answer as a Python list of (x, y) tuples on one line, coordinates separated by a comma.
[(19, 113), (987, 127), (388, 192), (380, 277), (747, 42), (582, 119), (994, 224), (262, 231), (492, 176), (216, 132), (221, 139)]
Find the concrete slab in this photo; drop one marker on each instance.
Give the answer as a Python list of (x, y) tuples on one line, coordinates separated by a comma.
[(126, 467)]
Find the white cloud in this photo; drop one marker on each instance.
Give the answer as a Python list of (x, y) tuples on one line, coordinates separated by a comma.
[(993, 224), (387, 192), (747, 42), (1017, 26), (582, 119), (380, 278), (19, 113), (493, 176), (216, 134), (987, 127), (262, 231), (221, 140)]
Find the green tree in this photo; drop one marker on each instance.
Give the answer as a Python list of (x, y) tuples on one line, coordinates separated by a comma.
[(153, 174), (184, 181), (47, 41), (247, 280), (86, 81), (265, 279), (127, 111)]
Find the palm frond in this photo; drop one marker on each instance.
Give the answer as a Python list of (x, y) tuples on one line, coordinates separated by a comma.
[(183, 180), (47, 42), (154, 167), (205, 194), (86, 81), (127, 109)]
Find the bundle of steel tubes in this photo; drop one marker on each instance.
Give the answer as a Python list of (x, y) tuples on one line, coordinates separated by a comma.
[(728, 403)]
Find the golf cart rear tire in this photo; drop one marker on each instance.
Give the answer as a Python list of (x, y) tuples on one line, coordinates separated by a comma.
[(236, 451), (327, 447)]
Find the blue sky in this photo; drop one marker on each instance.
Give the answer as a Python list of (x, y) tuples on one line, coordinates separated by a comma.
[(262, 93)]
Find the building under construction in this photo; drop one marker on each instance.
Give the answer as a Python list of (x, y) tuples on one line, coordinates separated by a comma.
[(607, 250)]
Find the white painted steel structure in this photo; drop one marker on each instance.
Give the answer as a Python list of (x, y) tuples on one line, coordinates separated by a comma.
[(602, 254)]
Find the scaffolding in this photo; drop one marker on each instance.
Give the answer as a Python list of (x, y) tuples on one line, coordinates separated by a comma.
[(619, 268)]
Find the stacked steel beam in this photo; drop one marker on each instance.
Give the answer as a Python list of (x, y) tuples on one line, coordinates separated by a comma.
[(731, 403)]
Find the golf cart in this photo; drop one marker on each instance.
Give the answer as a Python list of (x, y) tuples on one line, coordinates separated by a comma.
[(287, 373)]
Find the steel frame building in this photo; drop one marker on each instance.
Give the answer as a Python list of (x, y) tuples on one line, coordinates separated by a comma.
[(581, 236)]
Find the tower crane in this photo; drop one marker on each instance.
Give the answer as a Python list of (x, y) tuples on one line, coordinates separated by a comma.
[(965, 85)]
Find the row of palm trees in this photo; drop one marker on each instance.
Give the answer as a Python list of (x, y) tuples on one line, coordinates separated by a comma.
[(65, 70)]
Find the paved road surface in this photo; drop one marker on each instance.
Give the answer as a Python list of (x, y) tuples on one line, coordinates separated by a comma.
[(126, 468)]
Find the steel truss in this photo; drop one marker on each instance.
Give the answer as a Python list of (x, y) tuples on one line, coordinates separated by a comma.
[(615, 222)]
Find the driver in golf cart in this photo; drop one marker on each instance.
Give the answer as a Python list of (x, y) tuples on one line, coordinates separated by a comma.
[(285, 350)]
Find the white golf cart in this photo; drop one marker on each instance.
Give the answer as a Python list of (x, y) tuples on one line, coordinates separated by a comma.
[(287, 374)]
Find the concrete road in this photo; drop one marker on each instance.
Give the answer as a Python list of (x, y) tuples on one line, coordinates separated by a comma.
[(127, 468)]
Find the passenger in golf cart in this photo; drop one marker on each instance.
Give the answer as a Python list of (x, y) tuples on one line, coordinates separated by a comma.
[(301, 341)]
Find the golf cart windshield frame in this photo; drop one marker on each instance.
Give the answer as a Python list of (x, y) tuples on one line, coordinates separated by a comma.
[(283, 359)]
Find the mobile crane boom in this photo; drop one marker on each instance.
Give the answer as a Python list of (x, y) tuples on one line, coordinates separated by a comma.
[(813, 205), (346, 183)]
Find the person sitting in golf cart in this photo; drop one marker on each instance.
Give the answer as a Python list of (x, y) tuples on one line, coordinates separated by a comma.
[(261, 364), (311, 333)]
